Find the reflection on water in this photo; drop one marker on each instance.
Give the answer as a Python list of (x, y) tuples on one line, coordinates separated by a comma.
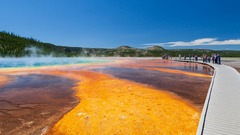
[(113, 93), (198, 68), (32, 102), (191, 67), (183, 85)]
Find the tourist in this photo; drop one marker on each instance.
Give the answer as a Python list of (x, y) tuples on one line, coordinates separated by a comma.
[(165, 57), (179, 56), (208, 59), (213, 58), (196, 58), (203, 57), (218, 59)]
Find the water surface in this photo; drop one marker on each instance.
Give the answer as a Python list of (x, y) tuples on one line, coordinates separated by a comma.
[(154, 94)]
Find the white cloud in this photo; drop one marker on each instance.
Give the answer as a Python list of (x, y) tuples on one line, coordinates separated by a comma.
[(197, 42), (203, 41)]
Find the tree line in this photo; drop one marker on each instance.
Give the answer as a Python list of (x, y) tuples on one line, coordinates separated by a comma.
[(13, 45)]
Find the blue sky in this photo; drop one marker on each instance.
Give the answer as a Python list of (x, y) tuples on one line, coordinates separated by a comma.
[(211, 24)]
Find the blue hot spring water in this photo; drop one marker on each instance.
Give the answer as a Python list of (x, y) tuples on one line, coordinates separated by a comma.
[(44, 61)]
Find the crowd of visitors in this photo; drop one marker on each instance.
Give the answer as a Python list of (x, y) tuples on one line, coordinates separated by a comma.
[(215, 58), (166, 57)]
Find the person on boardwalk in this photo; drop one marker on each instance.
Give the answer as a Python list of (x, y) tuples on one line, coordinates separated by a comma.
[(215, 58), (208, 59), (196, 58), (179, 56), (218, 59), (204, 57)]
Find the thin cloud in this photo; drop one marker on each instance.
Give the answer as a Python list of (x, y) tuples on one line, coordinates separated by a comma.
[(197, 42)]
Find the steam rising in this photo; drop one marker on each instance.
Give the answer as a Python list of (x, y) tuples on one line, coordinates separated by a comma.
[(35, 59), (43, 61), (33, 51)]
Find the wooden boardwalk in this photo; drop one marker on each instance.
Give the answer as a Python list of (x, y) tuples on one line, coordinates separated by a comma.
[(221, 112)]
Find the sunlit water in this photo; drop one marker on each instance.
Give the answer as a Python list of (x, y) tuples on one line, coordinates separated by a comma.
[(44, 61), (122, 91)]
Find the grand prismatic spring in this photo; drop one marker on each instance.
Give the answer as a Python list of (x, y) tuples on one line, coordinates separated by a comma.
[(77, 96)]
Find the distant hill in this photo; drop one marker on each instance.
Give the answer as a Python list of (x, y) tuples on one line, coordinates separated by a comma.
[(152, 48), (12, 45)]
